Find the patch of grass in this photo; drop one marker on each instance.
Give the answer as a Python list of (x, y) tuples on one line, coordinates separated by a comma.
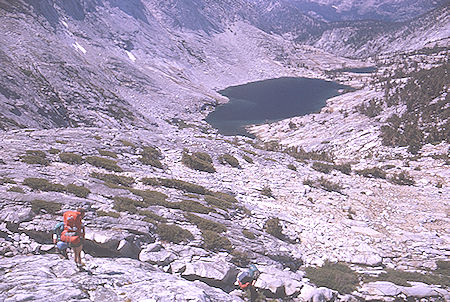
[(50, 207), (248, 159), (109, 214), (196, 163), (173, 233), (151, 217), (70, 158), (403, 278), (273, 227), (175, 184), (220, 203), (97, 137), (35, 157), (250, 152), (229, 159), (107, 153), (63, 142), (114, 179), (248, 234), (214, 242), (344, 168), (7, 180), (267, 191), (43, 185), (205, 224), (190, 206), (402, 178), (292, 167), (151, 198), (125, 204), (16, 189), (300, 154), (104, 163), (374, 172), (240, 259), (54, 151), (78, 191), (337, 276), (127, 143), (224, 196), (322, 167), (203, 156), (329, 186), (151, 156)]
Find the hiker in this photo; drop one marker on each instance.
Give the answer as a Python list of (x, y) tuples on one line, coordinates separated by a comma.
[(61, 246), (73, 233), (247, 279)]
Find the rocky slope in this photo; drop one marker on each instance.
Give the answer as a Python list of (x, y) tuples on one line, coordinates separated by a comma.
[(102, 105)]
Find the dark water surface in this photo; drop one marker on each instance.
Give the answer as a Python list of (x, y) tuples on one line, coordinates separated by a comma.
[(270, 100), (358, 70)]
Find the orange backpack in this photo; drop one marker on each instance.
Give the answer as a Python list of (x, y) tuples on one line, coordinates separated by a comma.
[(73, 228)]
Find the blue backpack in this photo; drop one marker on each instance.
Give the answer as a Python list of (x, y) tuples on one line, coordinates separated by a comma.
[(58, 229)]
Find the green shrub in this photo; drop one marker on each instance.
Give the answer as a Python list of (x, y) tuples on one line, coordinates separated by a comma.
[(35, 157), (402, 178), (125, 204), (337, 276), (248, 234), (173, 233), (107, 153), (43, 185), (50, 207), (151, 181), (205, 224), (266, 191), (151, 156), (220, 203), (240, 259), (273, 227), (344, 168), (63, 142), (114, 179), (329, 186), (151, 198), (247, 159), (190, 206), (16, 190), (404, 278), (321, 167), (229, 159), (79, 191), (151, 217), (214, 242), (292, 167), (203, 156), (54, 151), (109, 214), (105, 163), (374, 172), (70, 158), (127, 143), (195, 163), (224, 196)]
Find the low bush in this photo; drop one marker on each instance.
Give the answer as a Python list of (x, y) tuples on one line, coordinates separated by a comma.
[(107, 153), (224, 196), (104, 163), (195, 163), (214, 242), (203, 156), (337, 276), (247, 159), (344, 168), (329, 186), (248, 234), (374, 172), (43, 185), (240, 259), (60, 141), (16, 190), (321, 167), (54, 151), (173, 233), (35, 157), (402, 178), (404, 278), (273, 227), (151, 156), (266, 191), (151, 217), (205, 224), (220, 203), (114, 179), (292, 167), (50, 207), (151, 198), (229, 159), (190, 206), (109, 214), (125, 204), (127, 143), (70, 158), (7, 180), (78, 191)]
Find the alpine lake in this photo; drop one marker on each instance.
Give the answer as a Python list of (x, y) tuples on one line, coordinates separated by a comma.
[(269, 101)]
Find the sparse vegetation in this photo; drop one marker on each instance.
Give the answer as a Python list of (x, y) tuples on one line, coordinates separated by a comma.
[(109, 214), (240, 259), (70, 158), (114, 179), (107, 153), (267, 191), (292, 167), (151, 198), (151, 217), (35, 157), (300, 154), (190, 206), (196, 163), (404, 278), (329, 186), (374, 172), (402, 178), (151, 156), (248, 234), (173, 233), (229, 159), (273, 227), (205, 224), (127, 143), (43, 185), (7, 180), (16, 189), (125, 204), (220, 203), (50, 207), (337, 276), (104, 163), (54, 151), (321, 167), (78, 191), (175, 184), (214, 242), (247, 159)]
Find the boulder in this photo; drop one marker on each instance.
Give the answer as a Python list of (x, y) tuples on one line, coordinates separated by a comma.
[(381, 288), (314, 294), (16, 214), (367, 259), (279, 283), (156, 256)]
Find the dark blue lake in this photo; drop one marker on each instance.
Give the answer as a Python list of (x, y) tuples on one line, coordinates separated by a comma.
[(270, 100), (358, 70)]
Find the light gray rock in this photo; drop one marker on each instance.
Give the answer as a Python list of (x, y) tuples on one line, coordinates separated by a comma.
[(16, 214), (314, 294), (160, 258), (381, 288), (278, 282), (370, 260)]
